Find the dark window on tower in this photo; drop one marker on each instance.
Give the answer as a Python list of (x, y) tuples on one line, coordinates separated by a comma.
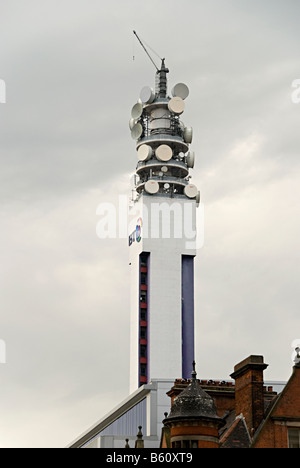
[(143, 351), (143, 370), (143, 333), (143, 315), (143, 278), (143, 296), (144, 258)]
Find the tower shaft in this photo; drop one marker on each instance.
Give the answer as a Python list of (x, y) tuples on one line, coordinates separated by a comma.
[(162, 238)]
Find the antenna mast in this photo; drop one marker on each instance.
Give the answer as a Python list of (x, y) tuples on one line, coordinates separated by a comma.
[(161, 84), (134, 32)]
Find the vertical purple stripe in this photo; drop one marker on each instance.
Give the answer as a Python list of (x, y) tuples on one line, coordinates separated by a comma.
[(139, 325), (148, 318), (188, 351)]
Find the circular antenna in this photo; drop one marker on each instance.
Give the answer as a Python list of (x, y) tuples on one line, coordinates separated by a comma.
[(190, 159), (164, 169), (136, 131), (137, 110), (164, 153), (190, 191), (144, 152), (166, 186), (181, 126), (188, 134), (147, 95), (151, 186), (132, 123), (180, 90), (176, 105)]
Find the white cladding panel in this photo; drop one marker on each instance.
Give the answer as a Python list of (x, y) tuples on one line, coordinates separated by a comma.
[(165, 314)]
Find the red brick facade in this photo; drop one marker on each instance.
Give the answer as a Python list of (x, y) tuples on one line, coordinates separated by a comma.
[(254, 416), (283, 416), (197, 435)]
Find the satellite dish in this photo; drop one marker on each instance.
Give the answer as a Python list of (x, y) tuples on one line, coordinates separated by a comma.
[(147, 95), (188, 134), (190, 191), (198, 199), (136, 131), (137, 110), (152, 187), (190, 159), (164, 169), (132, 123), (164, 153), (180, 90), (166, 186), (181, 126), (176, 105), (144, 152)]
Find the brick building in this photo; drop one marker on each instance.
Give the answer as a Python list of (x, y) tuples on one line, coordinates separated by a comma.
[(240, 414)]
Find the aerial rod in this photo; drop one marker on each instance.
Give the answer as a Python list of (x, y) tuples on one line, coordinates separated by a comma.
[(134, 32)]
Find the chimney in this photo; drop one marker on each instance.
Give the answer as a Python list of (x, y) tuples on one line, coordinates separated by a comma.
[(249, 392)]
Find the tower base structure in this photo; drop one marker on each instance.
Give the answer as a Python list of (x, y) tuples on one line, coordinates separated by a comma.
[(145, 407)]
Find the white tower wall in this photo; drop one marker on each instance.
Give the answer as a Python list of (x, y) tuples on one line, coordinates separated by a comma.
[(164, 283)]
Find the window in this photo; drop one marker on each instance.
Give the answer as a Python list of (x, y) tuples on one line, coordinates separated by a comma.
[(294, 438), (143, 351), (143, 296), (176, 444), (143, 333), (185, 443), (143, 278), (143, 315), (144, 258), (143, 370)]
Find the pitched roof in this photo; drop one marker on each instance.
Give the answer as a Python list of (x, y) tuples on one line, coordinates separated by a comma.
[(273, 410), (237, 436), (193, 402)]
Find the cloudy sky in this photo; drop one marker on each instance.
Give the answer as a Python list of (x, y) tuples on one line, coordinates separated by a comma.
[(65, 147)]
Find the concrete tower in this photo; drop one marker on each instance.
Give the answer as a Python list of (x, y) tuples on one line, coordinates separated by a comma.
[(162, 242)]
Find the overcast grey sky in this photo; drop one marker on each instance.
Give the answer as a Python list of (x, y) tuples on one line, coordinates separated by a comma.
[(65, 147)]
